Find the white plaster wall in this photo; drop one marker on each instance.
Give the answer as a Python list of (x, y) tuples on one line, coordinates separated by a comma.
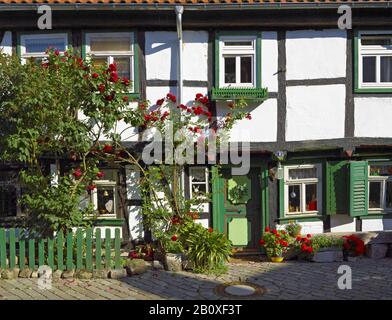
[(262, 127), (269, 61), (6, 43), (195, 55), (373, 117), (135, 221), (161, 55), (312, 227), (342, 223), (162, 52), (376, 224), (312, 54), (203, 222), (315, 112)]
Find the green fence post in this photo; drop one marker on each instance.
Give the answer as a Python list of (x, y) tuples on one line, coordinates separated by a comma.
[(117, 246), (69, 261), (89, 249), (3, 249), (51, 253), (31, 254), (98, 249), (22, 251), (79, 249), (107, 248), (60, 248), (12, 248)]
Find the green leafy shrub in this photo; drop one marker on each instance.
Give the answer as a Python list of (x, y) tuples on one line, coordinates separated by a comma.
[(293, 229), (207, 249)]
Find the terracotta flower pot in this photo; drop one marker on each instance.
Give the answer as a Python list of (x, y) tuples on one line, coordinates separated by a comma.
[(277, 259)]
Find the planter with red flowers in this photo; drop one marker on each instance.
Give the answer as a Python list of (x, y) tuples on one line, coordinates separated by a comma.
[(353, 247), (320, 248), (276, 244)]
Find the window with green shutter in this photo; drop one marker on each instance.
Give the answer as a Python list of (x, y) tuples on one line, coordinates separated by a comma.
[(336, 187), (358, 195)]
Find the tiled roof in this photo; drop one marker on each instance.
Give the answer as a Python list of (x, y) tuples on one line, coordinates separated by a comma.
[(195, 2)]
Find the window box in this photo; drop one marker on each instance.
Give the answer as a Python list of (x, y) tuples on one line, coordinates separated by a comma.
[(373, 61), (238, 66), (255, 94)]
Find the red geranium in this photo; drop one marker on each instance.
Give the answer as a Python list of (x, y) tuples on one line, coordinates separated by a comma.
[(77, 173), (174, 238), (95, 75), (353, 246), (100, 174)]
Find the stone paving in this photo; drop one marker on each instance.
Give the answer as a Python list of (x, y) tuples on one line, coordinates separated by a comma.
[(372, 279)]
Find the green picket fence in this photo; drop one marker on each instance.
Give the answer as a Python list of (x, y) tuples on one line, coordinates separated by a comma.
[(77, 250)]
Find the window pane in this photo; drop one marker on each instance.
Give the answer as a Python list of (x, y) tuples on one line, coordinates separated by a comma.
[(246, 69), (123, 67), (229, 69), (311, 197), (40, 45), (113, 44), (381, 170), (374, 194), (295, 174), (376, 40), (238, 43), (105, 200), (294, 198), (388, 191), (198, 174), (386, 69), (99, 62), (198, 189), (369, 69)]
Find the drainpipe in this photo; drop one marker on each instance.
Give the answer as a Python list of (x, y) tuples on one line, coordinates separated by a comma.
[(179, 11)]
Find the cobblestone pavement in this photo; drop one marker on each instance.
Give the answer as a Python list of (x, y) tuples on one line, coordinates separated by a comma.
[(372, 279)]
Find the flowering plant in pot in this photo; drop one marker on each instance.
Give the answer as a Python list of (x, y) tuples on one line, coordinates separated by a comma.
[(353, 246), (293, 229), (305, 245), (276, 243)]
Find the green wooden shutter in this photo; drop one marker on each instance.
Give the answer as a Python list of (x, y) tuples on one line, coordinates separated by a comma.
[(336, 187), (359, 197)]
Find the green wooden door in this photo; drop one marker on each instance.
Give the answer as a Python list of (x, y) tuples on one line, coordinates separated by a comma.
[(237, 207)]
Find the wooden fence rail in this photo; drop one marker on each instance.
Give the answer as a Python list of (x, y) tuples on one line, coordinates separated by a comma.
[(76, 250)]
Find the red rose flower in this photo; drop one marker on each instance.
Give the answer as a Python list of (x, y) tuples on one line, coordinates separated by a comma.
[(174, 238), (91, 187), (95, 75), (262, 242), (57, 52), (77, 173), (308, 235), (160, 102), (112, 67), (100, 174), (113, 77), (171, 97), (267, 229), (248, 116), (125, 81), (101, 88), (210, 230), (298, 238), (125, 98), (107, 148)]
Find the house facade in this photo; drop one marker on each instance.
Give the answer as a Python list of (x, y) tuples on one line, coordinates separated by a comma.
[(320, 97)]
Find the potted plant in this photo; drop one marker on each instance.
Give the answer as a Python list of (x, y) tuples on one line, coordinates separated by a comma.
[(276, 243), (353, 246), (293, 229)]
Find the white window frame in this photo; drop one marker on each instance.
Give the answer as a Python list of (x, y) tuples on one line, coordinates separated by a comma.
[(377, 51), (204, 205), (94, 197), (237, 52), (111, 55), (383, 196), (303, 183), (42, 55)]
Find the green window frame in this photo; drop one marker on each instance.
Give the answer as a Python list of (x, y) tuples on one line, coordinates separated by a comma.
[(21, 36), (250, 90), (134, 55), (372, 51), (284, 184)]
